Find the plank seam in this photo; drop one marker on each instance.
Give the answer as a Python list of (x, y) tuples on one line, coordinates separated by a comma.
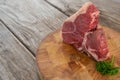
[(56, 7), (17, 38)]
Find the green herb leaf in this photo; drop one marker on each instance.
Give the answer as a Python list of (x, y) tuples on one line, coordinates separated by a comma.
[(107, 67)]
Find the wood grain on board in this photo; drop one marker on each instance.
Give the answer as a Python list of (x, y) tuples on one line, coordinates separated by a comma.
[(60, 61), (110, 10), (16, 62), (30, 20)]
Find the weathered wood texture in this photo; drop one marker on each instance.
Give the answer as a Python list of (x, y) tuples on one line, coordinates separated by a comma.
[(110, 10), (16, 63), (60, 61), (30, 20)]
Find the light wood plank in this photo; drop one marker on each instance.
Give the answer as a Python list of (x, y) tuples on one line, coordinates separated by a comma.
[(110, 10), (16, 63), (30, 20)]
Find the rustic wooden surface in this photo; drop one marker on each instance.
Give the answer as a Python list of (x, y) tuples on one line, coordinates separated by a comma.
[(60, 61), (16, 62), (30, 20), (26, 22)]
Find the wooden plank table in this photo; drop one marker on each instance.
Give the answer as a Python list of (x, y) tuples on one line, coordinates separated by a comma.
[(24, 23)]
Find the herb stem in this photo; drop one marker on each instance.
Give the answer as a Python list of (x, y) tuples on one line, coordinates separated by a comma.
[(112, 61)]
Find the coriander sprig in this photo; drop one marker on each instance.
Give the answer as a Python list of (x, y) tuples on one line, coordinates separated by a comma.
[(107, 67)]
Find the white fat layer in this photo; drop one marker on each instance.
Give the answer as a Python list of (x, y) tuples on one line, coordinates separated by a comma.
[(90, 49), (85, 38), (105, 49), (82, 10), (92, 54), (93, 15), (84, 41), (61, 35), (95, 55), (80, 48), (73, 42)]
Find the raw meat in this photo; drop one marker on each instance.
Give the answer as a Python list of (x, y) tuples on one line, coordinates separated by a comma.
[(96, 44), (75, 27), (80, 30)]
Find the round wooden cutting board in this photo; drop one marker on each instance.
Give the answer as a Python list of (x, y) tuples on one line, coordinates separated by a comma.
[(59, 61)]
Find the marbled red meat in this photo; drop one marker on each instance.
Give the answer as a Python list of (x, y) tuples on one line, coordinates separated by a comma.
[(96, 44), (81, 31)]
